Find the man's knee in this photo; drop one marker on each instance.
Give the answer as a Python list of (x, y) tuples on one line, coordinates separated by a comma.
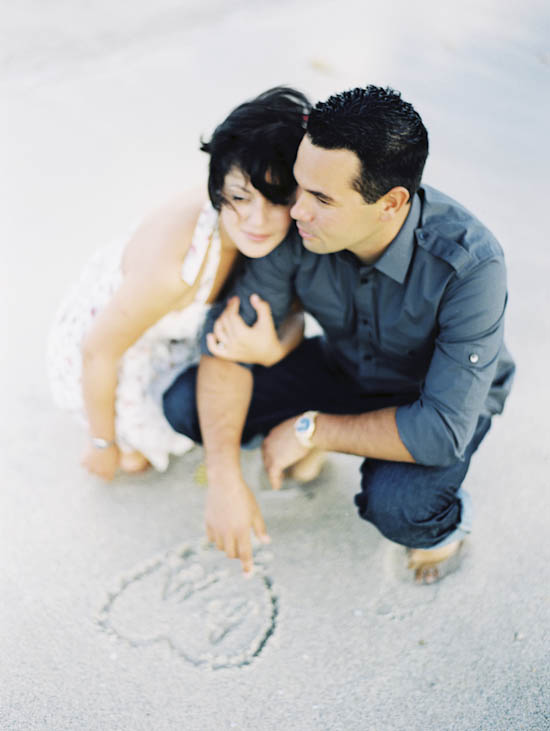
[(407, 503), (179, 404)]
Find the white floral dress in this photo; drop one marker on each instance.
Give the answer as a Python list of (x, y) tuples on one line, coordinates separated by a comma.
[(164, 350)]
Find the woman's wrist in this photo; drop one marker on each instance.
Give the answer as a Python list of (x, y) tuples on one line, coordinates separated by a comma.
[(100, 443)]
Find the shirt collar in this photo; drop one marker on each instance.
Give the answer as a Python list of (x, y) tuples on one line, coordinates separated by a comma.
[(395, 260)]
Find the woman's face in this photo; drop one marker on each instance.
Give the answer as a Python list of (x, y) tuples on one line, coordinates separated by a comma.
[(254, 224)]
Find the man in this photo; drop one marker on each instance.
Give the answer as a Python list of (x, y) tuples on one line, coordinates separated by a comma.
[(410, 290)]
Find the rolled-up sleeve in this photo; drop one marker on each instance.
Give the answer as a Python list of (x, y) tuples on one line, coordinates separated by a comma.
[(438, 426), (271, 277)]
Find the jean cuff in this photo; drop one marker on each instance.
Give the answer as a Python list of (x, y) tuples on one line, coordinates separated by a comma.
[(465, 525)]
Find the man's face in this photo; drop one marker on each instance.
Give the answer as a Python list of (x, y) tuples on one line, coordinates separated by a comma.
[(330, 214)]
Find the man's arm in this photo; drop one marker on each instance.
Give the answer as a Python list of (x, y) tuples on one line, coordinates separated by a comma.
[(224, 390), (436, 428), (373, 434)]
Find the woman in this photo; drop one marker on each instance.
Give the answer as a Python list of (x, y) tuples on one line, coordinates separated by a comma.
[(137, 311)]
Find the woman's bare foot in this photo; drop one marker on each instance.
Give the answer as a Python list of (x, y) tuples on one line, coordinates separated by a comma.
[(426, 563), (133, 462), (309, 467)]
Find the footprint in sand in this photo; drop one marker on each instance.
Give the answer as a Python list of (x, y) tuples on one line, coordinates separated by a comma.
[(197, 602)]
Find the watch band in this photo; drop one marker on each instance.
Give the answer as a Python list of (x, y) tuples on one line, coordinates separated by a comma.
[(304, 428)]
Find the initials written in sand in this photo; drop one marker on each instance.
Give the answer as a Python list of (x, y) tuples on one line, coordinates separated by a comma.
[(199, 604)]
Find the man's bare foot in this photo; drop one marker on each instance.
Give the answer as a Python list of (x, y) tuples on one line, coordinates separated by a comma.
[(308, 468), (427, 564), (133, 462)]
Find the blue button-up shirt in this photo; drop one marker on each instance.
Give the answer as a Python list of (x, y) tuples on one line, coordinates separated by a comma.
[(425, 320)]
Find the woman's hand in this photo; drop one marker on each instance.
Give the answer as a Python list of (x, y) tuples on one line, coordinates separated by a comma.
[(102, 462), (233, 339)]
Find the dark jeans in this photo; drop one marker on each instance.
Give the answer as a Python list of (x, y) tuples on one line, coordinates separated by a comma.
[(415, 505)]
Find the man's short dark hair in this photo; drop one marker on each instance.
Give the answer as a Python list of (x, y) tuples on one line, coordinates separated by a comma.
[(260, 138), (385, 133)]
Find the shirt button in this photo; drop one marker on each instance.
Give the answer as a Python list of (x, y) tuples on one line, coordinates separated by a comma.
[(365, 321), (474, 357)]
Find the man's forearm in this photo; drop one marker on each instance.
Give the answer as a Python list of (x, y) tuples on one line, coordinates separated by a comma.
[(373, 434), (224, 390)]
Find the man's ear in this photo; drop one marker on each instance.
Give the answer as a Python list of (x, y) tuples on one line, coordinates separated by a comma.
[(393, 202)]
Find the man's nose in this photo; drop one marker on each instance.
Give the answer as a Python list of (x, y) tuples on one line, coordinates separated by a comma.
[(299, 210)]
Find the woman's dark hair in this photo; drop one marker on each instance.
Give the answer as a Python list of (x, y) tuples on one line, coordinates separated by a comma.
[(260, 138), (385, 132)]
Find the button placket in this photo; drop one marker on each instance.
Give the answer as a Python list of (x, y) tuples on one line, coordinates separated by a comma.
[(364, 306)]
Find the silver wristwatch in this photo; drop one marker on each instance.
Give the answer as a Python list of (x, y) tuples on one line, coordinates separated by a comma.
[(304, 428)]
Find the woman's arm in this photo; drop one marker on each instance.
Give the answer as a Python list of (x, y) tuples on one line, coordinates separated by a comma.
[(135, 307), (260, 343), (151, 287)]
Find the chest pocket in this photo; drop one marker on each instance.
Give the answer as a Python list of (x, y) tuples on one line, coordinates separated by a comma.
[(405, 340), (326, 293)]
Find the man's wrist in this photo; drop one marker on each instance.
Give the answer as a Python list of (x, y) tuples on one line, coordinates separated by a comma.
[(304, 428), (225, 484), (223, 467)]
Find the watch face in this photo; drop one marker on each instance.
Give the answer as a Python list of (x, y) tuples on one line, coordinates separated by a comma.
[(303, 424)]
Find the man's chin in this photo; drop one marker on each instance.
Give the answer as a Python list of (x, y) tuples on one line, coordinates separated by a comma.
[(313, 245)]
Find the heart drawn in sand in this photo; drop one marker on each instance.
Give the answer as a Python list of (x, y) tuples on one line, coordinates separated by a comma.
[(199, 604)]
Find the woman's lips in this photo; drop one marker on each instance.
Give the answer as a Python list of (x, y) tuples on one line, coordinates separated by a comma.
[(256, 237)]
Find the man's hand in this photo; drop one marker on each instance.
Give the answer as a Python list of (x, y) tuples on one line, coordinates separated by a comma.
[(280, 450), (231, 512), (233, 339), (102, 462)]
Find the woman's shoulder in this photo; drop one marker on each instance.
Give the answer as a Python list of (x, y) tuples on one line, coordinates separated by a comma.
[(163, 238)]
